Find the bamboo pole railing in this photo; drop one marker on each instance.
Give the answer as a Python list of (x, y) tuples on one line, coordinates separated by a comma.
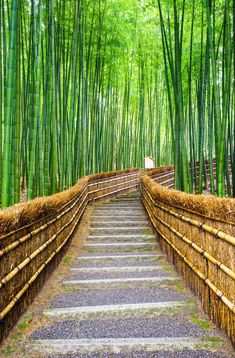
[(197, 233), (36, 234)]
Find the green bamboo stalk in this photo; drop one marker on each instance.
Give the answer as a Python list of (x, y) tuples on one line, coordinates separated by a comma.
[(35, 112), (10, 93)]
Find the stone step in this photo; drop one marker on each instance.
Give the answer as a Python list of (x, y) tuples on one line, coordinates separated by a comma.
[(118, 269), (121, 310), (119, 213), (121, 282), (145, 326), (120, 260), (115, 345), (118, 218), (122, 238), (119, 205), (136, 200), (121, 257), (115, 211), (107, 275), (121, 230), (120, 246), (127, 197), (132, 195), (122, 224), (118, 296)]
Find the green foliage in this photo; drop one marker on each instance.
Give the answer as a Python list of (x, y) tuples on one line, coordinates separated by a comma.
[(90, 86), (87, 91)]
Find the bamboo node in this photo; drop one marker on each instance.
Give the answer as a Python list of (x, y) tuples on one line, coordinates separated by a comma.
[(219, 297), (216, 234)]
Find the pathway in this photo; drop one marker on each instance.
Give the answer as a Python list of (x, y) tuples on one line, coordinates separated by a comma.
[(122, 299)]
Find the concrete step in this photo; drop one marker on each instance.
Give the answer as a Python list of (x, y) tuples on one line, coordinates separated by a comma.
[(120, 246), (106, 275), (118, 210), (127, 224), (119, 218), (122, 238), (136, 200), (120, 260), (131, 194), (122, 213), (122, 282), (118, 269), (145, 326), (121, 310), (138, 230), (118, 296), (115, 345), (120, 205)]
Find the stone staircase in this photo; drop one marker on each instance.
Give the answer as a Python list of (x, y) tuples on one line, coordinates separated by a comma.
[(122, 298)]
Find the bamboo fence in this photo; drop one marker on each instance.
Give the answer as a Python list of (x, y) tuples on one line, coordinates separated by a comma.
[(36, 234), (197, 233)]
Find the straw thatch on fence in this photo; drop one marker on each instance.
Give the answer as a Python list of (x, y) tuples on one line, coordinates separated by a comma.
[(35, 235), (198, 235)]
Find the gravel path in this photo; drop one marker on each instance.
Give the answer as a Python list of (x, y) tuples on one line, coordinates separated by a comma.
[(129, 254), (97, 275), (132, 327), (113, 263), (200, 353), (116, 296)]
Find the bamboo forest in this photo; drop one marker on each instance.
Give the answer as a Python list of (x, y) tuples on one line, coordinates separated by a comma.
[(92, 86)]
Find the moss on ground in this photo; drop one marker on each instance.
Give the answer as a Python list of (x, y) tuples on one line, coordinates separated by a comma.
[(213, 342), (148, 232), (67, 260), (201, 323), (179, 287), (8, 351)]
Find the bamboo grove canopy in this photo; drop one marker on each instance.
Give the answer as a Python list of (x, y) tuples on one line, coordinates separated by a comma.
[(93, 85)]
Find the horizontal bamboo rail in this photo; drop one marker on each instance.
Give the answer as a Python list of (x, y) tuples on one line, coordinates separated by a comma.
[(28, 253), (197, 233), (201, 245)]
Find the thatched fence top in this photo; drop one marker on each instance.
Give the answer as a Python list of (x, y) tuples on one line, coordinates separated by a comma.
[(35, 235), (197, 232)]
